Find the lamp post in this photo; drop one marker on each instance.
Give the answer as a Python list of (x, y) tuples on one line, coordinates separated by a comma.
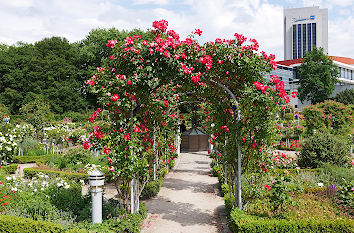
[(96, 182)]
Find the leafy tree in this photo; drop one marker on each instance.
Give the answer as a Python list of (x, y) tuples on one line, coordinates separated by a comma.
[(49, 68), (318, 75), (345, 97), (38, 113)]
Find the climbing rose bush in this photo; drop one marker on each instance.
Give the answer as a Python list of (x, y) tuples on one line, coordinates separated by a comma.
[(143, 82)]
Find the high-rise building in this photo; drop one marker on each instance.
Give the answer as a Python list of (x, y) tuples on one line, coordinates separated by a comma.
[(304, 28)]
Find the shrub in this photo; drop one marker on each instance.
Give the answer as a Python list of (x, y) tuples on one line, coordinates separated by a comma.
[(10, 169), (245, 223), (323, 148), (31, 172), (329, 116), (151, 189), (32, 159), (25, 225)]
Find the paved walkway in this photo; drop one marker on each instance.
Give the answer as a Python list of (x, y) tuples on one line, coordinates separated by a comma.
[(188, 201)]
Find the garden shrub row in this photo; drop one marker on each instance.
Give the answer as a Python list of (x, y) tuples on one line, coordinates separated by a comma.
[(292, 171), (151, 189), (32, 172), (245, 223), (10, 169), (32, 159), (12, 224)]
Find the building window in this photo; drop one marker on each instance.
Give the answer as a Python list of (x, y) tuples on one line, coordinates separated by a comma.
[(309, 45), (314, 34), (303, 39), (294, 42), (299, 42)]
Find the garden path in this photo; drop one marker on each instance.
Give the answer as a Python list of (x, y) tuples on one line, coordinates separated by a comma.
[(188, 200), (20, 168)]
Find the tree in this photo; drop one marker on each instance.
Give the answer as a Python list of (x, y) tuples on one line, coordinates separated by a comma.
[(318, 75), (37, 113), (50, 68), (345, 97)]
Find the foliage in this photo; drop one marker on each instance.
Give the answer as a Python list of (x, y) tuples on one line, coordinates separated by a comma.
[(151, 189), (292, 145), (32, 147), (243, 222), (10, 169), (345, 97), (329, 116), (73, 159), (26, 225), (7, 147), (50, 68), (38, 114), (324, 148), (31, 172), (32, 159), (279, 193), (318, 75), (4, 111)]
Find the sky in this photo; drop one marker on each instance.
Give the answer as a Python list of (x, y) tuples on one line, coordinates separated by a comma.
[(32, 20)]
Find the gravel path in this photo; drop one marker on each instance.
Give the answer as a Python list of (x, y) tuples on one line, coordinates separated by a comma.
[(188, 200)]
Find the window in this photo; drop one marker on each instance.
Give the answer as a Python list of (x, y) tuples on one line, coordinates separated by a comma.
[(299, 52), (314, 34), (303, 39), (294, 42), (309, 45)]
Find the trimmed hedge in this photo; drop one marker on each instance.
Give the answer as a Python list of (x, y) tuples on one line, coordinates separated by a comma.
[(10, 169), (31, 172), (242, 222), (32, 159), (151, 189), (295, 171), (14, 224)]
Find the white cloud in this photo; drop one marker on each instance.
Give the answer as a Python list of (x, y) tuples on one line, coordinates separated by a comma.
[(32, 20), (155, 2)]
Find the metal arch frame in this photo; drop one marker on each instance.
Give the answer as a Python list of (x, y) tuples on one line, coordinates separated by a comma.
[(239, 185), (239, 198)]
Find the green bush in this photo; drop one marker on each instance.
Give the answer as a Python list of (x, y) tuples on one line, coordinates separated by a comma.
[(31, 172), (68, 200), (13, 224), (242, 222), (128, 223), (32, 147), (73, 159), (10, 169), (151, 189), (32, 159), (324, 148)]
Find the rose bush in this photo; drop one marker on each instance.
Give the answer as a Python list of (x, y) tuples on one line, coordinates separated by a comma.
[(141, 86)]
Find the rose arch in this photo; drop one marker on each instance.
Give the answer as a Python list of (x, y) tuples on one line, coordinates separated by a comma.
[(141, 86)]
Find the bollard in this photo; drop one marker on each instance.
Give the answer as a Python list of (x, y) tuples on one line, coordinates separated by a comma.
[(96, 182)]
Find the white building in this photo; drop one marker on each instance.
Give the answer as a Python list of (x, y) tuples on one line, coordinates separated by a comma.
[(304, 28), (286, 71)]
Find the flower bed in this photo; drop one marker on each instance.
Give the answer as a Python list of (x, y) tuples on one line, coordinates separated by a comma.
[(292, 145)]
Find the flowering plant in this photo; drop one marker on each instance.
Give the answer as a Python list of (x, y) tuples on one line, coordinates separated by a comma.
[(140, 87), (7, 147)]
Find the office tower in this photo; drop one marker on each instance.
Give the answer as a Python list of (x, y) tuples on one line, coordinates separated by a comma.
[(304, 28)]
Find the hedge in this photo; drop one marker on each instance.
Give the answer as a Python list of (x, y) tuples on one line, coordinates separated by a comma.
[(151, 189), (242, 222), (32, 159), (10, 169), (295, 171), (31, 172), (14, 224)]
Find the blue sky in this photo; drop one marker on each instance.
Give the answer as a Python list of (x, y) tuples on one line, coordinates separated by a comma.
[(33, 20)]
